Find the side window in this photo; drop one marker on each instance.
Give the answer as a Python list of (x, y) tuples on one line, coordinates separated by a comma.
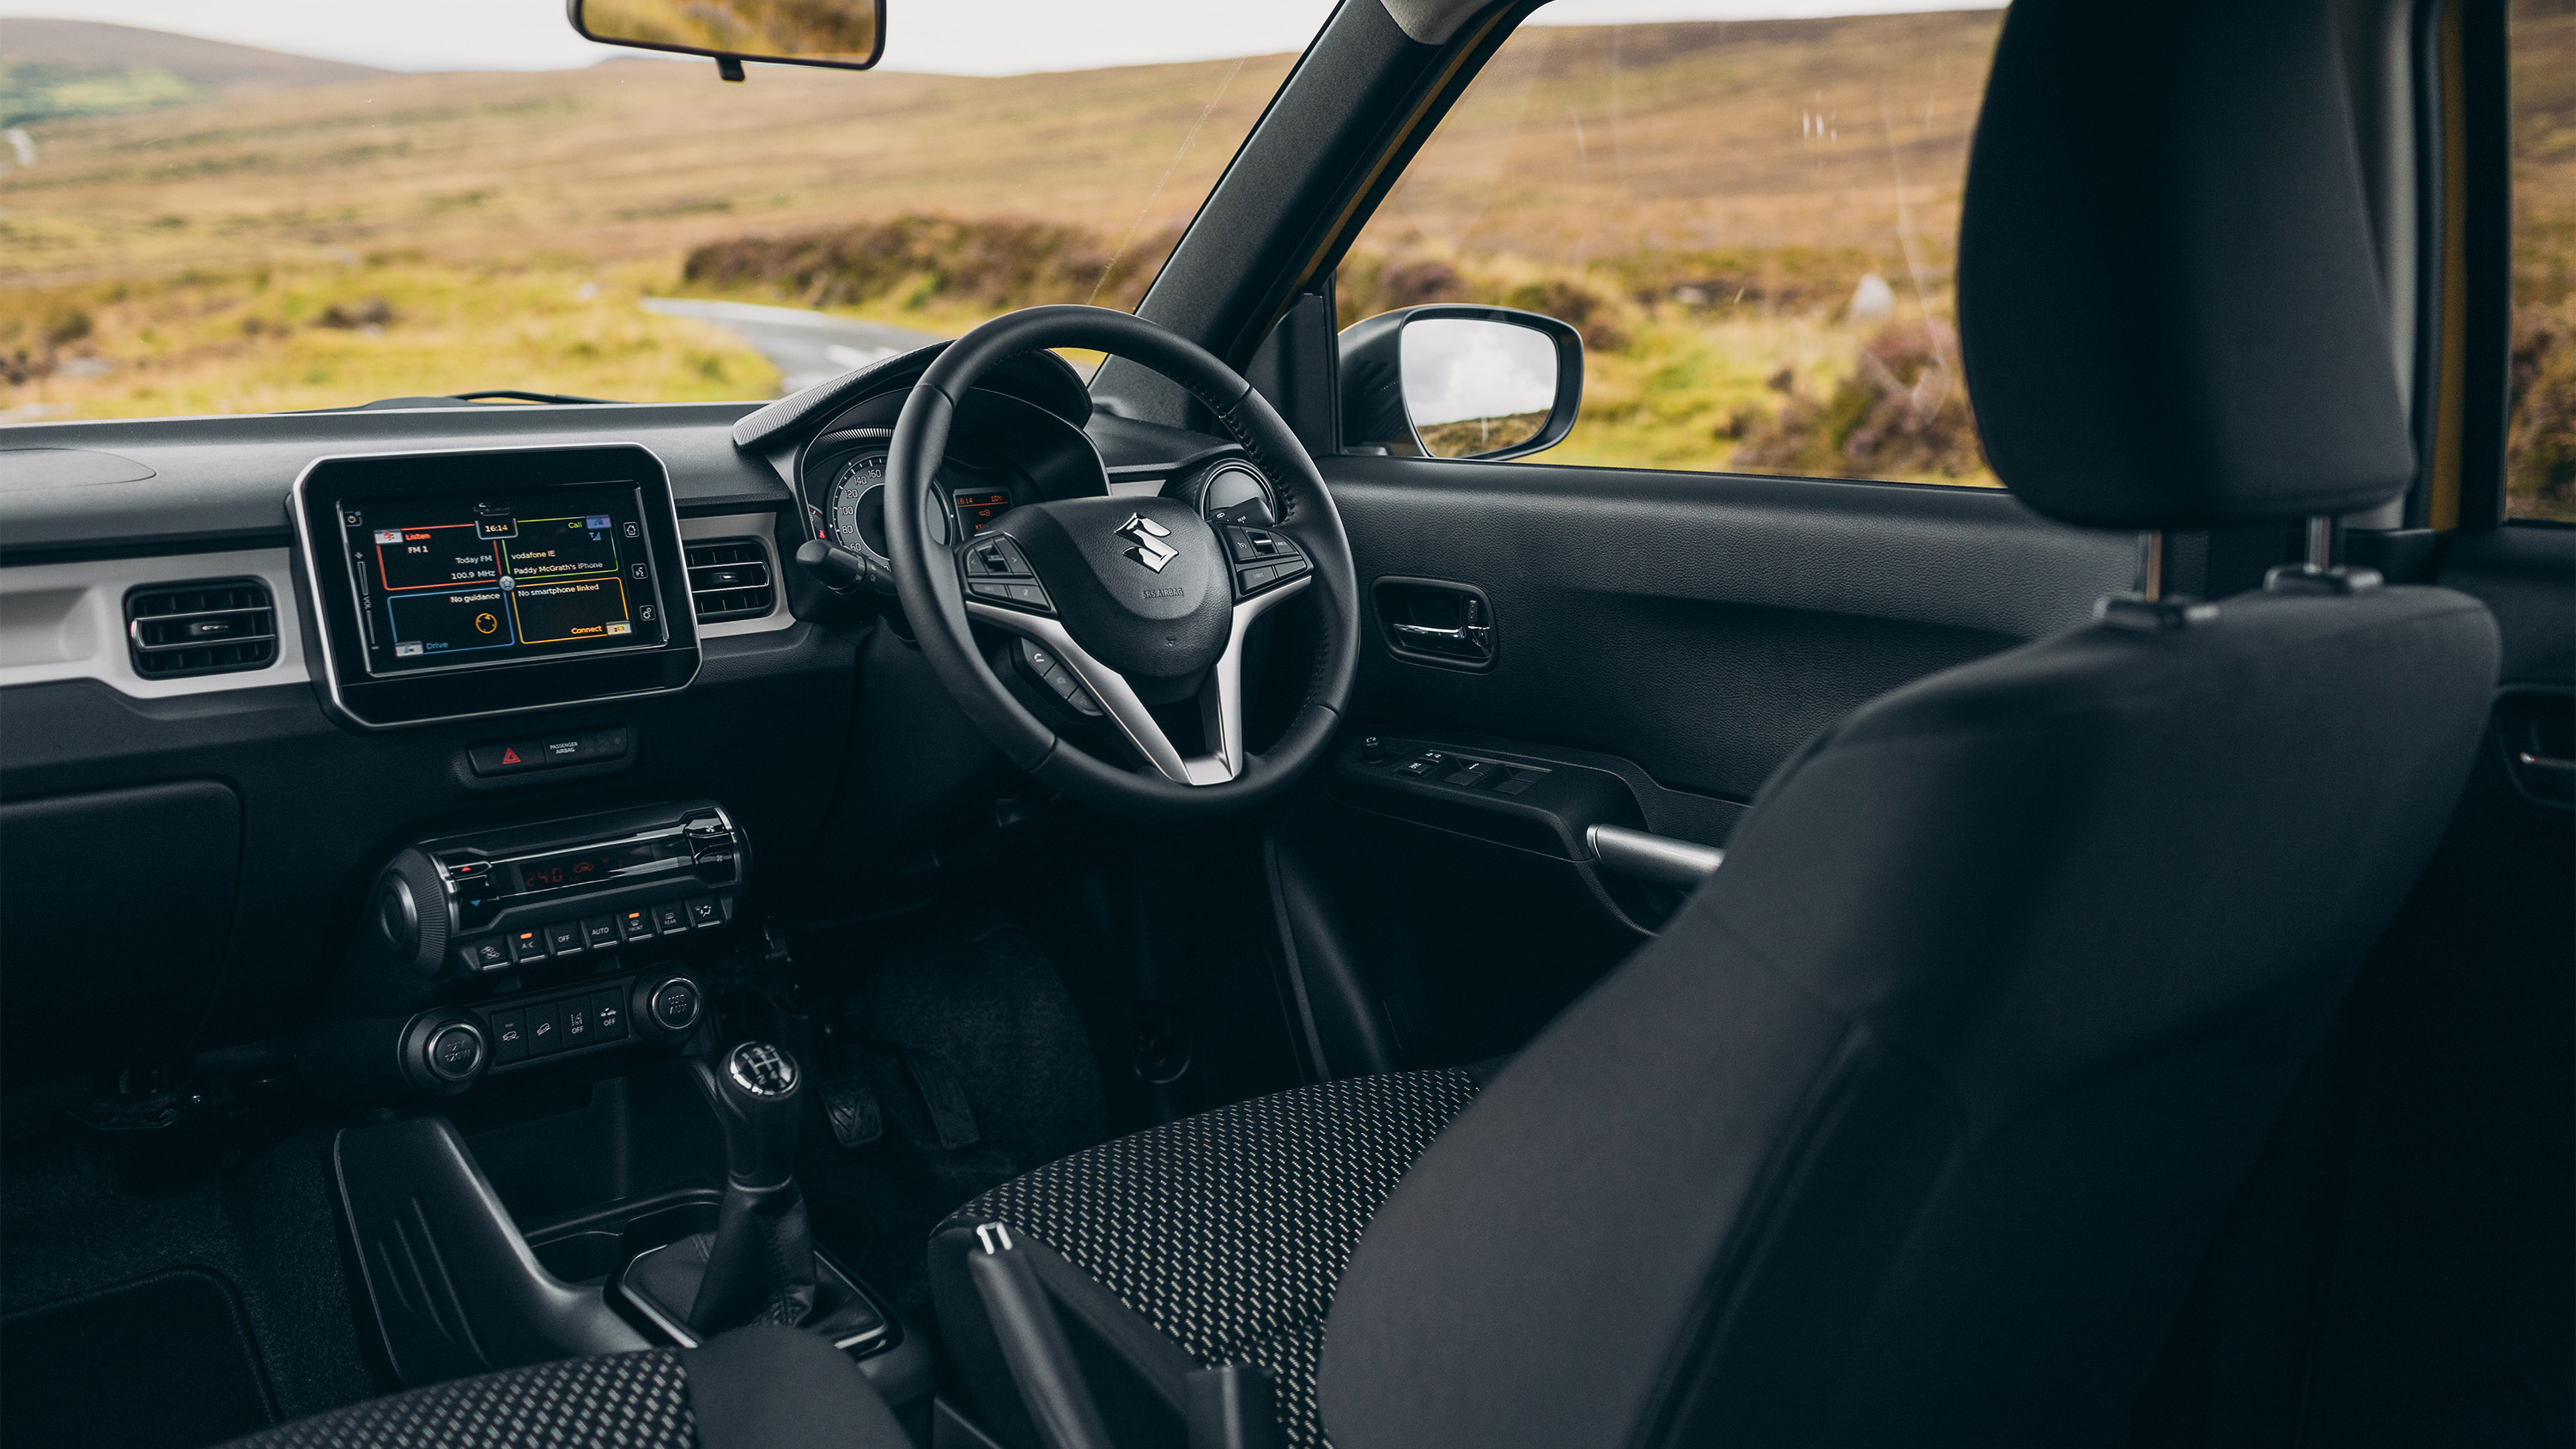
[(1752, 223), (2540, 429)]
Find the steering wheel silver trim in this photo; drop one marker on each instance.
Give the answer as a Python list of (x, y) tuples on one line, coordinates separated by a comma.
[(1220, 698)]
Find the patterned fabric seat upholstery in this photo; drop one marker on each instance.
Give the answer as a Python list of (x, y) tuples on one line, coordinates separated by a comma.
[(761, 1388), (1216, 1239)]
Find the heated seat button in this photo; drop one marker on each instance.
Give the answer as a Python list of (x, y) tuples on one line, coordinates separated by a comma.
[(670, 918), (509, 1037), (545, 1030), (526, 946), (636, 925), (600, 932), (705, 912), (578, 1028), (608, 1015), (564, 938)]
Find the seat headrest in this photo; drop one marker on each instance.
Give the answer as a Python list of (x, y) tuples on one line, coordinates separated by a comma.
[(2169, 307)]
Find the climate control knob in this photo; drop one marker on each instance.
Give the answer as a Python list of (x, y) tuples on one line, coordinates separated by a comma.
[(456, 1052)]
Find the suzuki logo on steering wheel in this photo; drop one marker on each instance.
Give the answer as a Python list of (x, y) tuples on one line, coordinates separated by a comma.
[(1148, 536)]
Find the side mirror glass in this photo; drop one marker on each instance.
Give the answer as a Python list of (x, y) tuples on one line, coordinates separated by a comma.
[(1449, 381), (849, 34)]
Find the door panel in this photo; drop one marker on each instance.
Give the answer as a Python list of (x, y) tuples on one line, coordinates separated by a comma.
[(1701, 625), (1669, 637)]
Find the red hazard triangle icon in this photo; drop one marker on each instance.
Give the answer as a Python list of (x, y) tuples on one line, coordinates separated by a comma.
[(509, 756)]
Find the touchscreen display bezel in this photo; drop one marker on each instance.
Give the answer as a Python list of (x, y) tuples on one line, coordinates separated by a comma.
[(359, 696)]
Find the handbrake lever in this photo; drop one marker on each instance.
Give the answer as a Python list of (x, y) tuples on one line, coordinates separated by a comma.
[(1231, 1406)]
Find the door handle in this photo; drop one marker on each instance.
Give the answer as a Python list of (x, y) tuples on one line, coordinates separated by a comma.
[(1417, 615), (1472, 642)]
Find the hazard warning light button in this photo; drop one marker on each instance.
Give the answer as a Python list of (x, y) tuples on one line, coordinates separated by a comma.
[(539, 752)]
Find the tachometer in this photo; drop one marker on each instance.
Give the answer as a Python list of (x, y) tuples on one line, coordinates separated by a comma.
[(854, 509)]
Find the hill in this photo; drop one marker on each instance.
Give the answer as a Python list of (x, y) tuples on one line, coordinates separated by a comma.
[(208, 65)]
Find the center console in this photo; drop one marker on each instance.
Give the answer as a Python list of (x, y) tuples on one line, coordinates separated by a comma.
[(567, 1147), (460, 585)]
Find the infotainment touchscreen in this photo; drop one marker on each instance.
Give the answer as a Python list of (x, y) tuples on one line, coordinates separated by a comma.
[(467, 579)]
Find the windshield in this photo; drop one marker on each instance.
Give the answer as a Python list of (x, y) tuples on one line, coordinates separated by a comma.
[(213, 206)]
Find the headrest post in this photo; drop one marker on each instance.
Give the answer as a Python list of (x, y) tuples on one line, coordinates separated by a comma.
[(2151, 565), (2315, 572)]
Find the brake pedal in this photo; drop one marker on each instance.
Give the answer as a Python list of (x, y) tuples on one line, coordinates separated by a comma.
[(852, 1110)]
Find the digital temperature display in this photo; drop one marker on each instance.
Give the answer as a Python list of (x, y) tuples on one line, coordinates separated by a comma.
[(582, 867)]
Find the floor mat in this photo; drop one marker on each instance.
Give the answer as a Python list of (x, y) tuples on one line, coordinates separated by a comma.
[(165, 1362), (988, 1006), (82, 1211)]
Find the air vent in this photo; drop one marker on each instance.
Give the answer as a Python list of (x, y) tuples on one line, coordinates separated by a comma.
[(729, 579), (216, 626)]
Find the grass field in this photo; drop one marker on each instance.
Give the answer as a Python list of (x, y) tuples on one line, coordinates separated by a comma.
[(1701, 199)]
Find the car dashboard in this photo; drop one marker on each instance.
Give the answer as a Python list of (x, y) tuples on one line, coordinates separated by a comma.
[(253, 668)]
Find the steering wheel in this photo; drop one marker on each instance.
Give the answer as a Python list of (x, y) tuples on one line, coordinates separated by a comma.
[(1138, 597)]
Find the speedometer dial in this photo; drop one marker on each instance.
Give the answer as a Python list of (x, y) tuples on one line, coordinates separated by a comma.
[(855, 508)]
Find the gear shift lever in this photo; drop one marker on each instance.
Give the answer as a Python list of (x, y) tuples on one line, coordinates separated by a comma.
[(760, 1267)]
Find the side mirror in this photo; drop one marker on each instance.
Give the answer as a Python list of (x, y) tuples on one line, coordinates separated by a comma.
[(847, 34), (1449, 381)]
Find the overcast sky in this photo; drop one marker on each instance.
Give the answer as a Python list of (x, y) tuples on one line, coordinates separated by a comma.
[(962, 37)]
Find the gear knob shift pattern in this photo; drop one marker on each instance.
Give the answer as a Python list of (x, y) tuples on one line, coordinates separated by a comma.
[(760, 1263), (758, 1092)]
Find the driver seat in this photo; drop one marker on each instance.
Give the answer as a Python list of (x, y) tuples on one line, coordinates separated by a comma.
[(1916, 1121)]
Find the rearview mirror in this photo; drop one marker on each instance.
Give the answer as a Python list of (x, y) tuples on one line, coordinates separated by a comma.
[(848, 34), (1448, 381)]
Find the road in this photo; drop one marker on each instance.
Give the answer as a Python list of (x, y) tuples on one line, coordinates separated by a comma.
[(807, 347)]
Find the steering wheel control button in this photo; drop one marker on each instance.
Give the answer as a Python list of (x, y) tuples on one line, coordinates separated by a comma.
[(527, 947), (509, 1037), (600, 932), (670, 919), (705, 912), (608, 1015), (636, 925), (761, 1069), (676, 1005), (455, 1052), (564, 938), (997, 558)]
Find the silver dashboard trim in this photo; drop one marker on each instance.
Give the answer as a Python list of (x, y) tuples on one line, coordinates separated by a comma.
[(761, 526), (63, 621)]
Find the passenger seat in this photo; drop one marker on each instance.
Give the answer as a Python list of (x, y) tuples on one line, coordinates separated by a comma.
[(764, 1387)]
